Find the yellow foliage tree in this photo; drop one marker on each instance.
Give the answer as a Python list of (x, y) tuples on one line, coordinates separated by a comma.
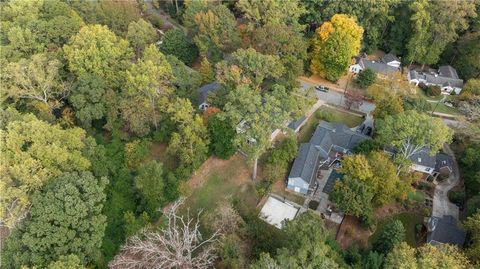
[(335, 43)]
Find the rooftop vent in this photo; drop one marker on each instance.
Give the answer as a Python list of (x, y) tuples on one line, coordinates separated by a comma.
[(419, 160)]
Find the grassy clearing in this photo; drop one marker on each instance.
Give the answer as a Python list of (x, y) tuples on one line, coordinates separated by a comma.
[(442, 108), (408, 219), (228, 181), (336, 116)]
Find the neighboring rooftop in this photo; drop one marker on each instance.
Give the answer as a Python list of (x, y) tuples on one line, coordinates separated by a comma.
[(305, 162), (204, 90), (296, 123), (423, 158), (332, 179), (445, 77), (388, 58), (377, 66), (444, 231)]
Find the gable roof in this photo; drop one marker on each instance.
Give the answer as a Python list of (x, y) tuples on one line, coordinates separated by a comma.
[(204, 90), (443, 160), (447, 71), (379, 67), (387, 58), (446, 76), (423, 158), (294, 124), (304, 165), (325, 137), (444, 231)]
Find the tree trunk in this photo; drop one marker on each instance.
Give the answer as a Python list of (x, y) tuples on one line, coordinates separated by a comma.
[(255, 164), (176, 5)]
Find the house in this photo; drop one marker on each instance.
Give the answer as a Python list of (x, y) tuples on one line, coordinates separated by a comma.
[(328, 144), (446, 78), (389, 64), (439, 164), (203, 94), (444, 230)]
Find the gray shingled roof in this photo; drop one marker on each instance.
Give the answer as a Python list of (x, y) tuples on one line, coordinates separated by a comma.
[(423, 158), (305, 162), (332, 179), (447, 71), (447, 76), (445, 230), (389, 58), (379, 67), (326, 136), (295, 123), (204, 90), (443, 160)]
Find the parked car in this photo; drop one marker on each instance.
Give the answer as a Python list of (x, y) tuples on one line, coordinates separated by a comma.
[(368, 131), (361, 128), (321, 88)]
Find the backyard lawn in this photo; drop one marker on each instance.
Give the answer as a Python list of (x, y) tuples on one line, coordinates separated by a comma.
[(229, 179), (408, 219), (336, 116)]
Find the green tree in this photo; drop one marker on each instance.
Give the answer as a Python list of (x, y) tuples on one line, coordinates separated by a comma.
[(146, 91), (185, 80), (176, 43), (468, 51), (34, 153), (35, 79), (117, 14), (387, 106), (216, 32), (307, 246), (412, 132), (418, 103), (140, 34), (133, 224), (471, 87), (428, 256), (435, 26), (222, 134), (87, 98), (271, 12), (96, 50), (353, 197), (334, 45), (398, 31), (189, 143), (391, 235), (206, 71), (65, 218), (254, 68), (70, 261), (366, 78), (470, 164), (472, 224), (150, 182)]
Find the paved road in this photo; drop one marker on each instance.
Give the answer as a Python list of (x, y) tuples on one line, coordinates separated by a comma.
[(336, 98), (441, 203)]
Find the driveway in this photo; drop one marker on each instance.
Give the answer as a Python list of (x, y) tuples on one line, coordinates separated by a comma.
[(441, 203)]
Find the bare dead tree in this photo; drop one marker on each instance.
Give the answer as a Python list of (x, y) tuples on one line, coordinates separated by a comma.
[(178, 245)]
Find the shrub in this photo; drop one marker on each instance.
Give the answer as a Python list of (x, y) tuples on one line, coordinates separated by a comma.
[(433, 91), (324, 115), (366, 78), (176, 43), (136, 151), (456, 197), (392, 234)]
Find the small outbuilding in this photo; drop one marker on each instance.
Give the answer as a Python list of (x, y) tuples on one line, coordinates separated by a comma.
[(274, 211)]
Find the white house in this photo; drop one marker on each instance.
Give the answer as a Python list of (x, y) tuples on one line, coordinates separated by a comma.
[(387, 65), (446, 78)]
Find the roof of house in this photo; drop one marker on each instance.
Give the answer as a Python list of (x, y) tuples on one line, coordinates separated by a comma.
[(423, 158), (444, 231), (326, 136), (294, 124), (446, 76), (204, 90), (304, 165), (332, 179), (377, 66), (387, 58), (443, 160), (447, 71)]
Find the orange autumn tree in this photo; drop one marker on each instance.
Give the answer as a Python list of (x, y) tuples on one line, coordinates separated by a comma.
[(334, 44)]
